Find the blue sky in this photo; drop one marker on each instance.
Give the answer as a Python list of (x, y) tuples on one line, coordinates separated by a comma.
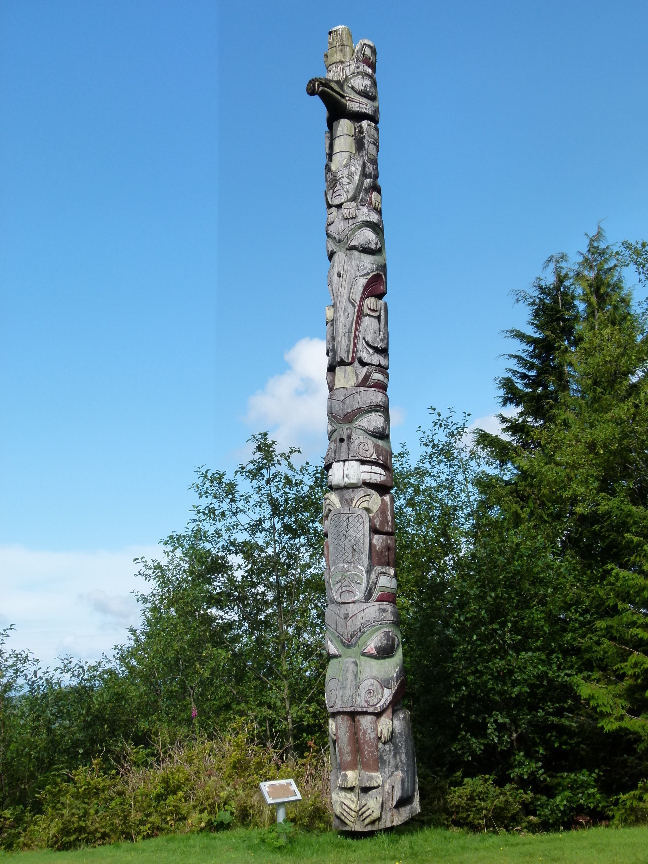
[(162, 261)]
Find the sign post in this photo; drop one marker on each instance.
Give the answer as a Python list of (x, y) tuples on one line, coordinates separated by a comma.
[(279, 793)]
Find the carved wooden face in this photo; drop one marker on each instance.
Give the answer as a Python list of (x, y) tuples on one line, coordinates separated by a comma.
[(364, 676), (364, 436), (354, 275)]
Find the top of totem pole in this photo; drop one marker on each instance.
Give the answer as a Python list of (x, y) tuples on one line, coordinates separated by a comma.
[(349, 88), (340, 46), (341, 50)]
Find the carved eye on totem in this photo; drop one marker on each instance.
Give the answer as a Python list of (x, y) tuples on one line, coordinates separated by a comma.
[(374, 423), (363, 85), (383, 644), (331, 650), (365, 240)]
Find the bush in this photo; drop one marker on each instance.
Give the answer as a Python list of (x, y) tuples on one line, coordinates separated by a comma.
[(575, 797), (204, 785), (632, 808), (13, 823), (479, 805)]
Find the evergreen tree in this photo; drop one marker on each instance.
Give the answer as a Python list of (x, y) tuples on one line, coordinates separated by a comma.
[(533, 385), (581, 489), (491, 656), (592, 479)]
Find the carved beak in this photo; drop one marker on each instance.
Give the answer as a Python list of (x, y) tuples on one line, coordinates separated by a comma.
[(331, 95)]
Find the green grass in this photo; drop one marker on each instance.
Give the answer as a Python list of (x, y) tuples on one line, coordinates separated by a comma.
[(432, 846)]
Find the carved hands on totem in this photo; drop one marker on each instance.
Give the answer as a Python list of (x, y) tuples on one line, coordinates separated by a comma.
[(373, 781)]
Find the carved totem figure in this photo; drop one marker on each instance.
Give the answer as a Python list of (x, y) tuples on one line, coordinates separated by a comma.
[(373, 777)]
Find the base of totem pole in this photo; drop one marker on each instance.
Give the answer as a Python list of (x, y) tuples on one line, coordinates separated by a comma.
[(397, 800)]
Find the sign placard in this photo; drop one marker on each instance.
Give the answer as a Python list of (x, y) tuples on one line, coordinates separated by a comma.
[(279, 791)]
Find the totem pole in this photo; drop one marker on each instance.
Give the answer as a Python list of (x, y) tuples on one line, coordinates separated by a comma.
[(373, 776)]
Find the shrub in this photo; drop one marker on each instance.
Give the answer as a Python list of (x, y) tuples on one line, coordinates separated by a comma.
[(82, 808), (575, 799), (632, 808), (479, 805), (203, 785), (13, 823)]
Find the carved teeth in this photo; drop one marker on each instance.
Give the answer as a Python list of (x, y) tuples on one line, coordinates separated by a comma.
[(345, 474)]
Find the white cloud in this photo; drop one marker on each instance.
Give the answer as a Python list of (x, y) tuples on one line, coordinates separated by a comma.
[(292, 405), (118, 610), (490, 423), (77, 603), (396, 416)]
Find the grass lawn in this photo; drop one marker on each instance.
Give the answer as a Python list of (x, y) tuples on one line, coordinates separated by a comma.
[(432, 846)]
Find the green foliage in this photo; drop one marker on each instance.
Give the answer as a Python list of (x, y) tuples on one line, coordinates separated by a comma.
[(223, 820), (632, 808), (539, 378), (435, 499), (233, 619), (586, 488), (207, 785), (280, 834), (479, 805), (68, 716), (55, 719), (13, 822), (483, 598), (571, 796), (522, 578), (17, 669)]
